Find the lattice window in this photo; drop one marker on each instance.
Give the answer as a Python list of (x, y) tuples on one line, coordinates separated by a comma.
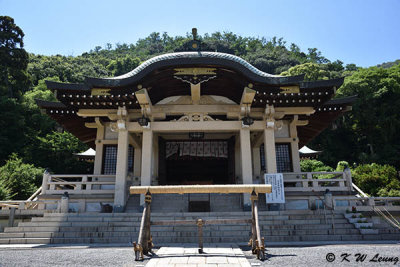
[(110, 159), (283, 158)]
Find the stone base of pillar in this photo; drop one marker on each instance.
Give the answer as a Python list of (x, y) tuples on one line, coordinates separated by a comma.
[(118, 208), (246, 207)]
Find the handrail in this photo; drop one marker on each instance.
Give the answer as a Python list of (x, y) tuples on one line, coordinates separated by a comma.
[(359, 190), (34, 195), (392, 221)]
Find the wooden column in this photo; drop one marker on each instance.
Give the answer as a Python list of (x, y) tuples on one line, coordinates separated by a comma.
[(98, 160), (122, 171), (147, 157), (256, 162), (294, 146), (269, 146), (245, 155)]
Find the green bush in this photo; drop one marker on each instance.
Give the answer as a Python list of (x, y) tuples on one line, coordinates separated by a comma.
[(21, 180), (313, 165), (377, 180), (341, 166)]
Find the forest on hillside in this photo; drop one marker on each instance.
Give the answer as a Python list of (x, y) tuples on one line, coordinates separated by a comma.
[(365, 138)]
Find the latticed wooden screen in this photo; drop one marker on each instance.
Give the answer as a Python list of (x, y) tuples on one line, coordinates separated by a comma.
[(110, 159), (283, 157)]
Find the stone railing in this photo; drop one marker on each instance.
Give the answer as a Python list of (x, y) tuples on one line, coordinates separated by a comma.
[(78, 184), (344, 203), (27, 204), (317, 181)]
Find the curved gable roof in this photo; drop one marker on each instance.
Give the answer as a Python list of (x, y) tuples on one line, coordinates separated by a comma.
[(194, 58)]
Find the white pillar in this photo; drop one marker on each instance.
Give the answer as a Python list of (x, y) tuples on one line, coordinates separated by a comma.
[(147, 156), (247, 172), (238, 165), (155, 157), (98, 159), (137, 162), (269, 146), (122, 171), (256, 162), (294, 146)]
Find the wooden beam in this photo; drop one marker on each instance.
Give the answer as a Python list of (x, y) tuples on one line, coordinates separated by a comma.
[(144, 100), (247, 96), (135, 141), (190, 126), (189, 189), (195, 92), (258, 140)]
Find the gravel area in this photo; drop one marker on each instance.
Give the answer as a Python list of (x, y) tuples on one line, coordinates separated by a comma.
[(330, 255), (70, 256), (380, 254)]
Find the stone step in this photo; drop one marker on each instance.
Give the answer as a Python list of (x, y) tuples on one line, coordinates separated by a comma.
[(224, 239), (310, 232), (307, 226), (68, 229), (94, 224), (87, 219)]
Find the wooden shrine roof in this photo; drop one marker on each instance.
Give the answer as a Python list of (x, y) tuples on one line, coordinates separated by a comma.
[(230, 75)]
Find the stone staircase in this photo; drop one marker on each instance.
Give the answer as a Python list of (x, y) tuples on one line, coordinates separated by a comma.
[(276, 226)]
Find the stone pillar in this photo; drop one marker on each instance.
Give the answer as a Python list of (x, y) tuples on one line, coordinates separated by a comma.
[(64, 204), (11, 217), (137, 162), (46, 176), (247, 172), (328, 199), (147, 156), (122, 171), (269, 147), (98, 159)]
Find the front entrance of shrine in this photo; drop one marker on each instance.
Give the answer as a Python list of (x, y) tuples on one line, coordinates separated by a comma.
[(190, 162)]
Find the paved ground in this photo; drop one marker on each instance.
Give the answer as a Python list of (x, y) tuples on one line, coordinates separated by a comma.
[(223, 255), (121, 255)]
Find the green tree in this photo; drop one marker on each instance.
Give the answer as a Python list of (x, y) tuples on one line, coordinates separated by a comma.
[(375, 118), (124, 65), (21, 180), (375, 179), (4, 193), (13, 58), (311, 71), (56, 152)]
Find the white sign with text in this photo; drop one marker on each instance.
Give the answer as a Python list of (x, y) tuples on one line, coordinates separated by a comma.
[(278, 191)]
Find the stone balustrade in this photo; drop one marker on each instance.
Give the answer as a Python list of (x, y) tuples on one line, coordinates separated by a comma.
[(317, 181), (78, 184)]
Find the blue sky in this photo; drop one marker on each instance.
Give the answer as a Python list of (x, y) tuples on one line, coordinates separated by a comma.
[(363, 32)]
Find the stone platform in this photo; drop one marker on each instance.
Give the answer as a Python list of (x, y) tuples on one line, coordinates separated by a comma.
[(188, 255)]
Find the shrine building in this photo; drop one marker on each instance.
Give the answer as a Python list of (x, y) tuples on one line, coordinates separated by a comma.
[(192, 117)]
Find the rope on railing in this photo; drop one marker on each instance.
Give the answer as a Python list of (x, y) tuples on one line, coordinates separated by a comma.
[(392, 221)]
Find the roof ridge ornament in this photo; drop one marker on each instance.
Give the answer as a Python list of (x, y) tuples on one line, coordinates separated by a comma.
[(194, 45), (194, 33)]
